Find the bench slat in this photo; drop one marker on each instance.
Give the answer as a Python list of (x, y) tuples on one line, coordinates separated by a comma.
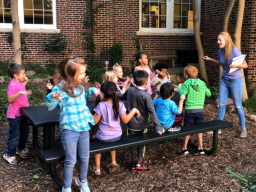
[(54, 155)]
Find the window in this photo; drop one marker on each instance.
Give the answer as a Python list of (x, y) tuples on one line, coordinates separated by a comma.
[(33, 14), (166, 15)]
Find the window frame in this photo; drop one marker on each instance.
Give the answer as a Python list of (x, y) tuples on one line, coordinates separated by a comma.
[(169, 20), (32, 26)]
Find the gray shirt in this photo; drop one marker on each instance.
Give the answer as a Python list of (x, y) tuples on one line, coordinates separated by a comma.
[(139, 98)]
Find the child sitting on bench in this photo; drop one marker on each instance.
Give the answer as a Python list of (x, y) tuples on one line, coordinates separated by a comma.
[(169, 115), (108, 113), (195, 89)]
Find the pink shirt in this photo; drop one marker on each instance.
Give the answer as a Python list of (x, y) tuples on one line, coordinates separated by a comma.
[(151, 78), (22, 101)]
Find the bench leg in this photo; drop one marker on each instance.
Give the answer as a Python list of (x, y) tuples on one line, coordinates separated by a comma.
[(214, 144), (55, 176), (49, 137), (35, 139)]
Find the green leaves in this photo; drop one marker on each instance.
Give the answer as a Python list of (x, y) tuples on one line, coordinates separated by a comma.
[(116, 54)]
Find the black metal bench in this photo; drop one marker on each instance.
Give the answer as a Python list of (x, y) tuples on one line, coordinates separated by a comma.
[(39, 116)]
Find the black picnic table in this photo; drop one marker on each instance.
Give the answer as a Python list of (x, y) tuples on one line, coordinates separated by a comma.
[(39, 116)]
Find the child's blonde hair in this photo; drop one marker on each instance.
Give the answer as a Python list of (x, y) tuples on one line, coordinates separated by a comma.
[(116, 66), (191, 71), (109, 76)]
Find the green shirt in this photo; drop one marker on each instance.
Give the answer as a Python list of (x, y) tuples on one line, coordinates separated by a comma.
[(195, 91)]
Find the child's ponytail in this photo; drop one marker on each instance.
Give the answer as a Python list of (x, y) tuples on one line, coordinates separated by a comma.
[(115, 104), (138, 57)]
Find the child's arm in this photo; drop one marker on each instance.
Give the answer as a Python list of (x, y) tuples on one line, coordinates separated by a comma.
[(96, 117), (127, 84), (123, 96), (12, 98), (53, 98), (155, 86), (182, 98), (183, 89), (25, 81), (208, 92), (127, 117)]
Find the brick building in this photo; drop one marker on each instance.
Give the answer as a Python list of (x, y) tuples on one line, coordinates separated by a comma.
[(123, 20)]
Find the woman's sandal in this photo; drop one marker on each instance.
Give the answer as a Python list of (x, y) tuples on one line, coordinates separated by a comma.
[(112, 168)]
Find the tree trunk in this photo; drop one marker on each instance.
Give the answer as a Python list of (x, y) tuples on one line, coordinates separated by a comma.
[(225, 27), (16, 31), (237, 35), (198, 42)]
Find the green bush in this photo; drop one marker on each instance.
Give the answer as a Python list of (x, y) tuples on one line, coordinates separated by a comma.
[(3, 102), (249, 87), (4, 68), (214, 91), (116, 54), (95, 70), (250, 105)]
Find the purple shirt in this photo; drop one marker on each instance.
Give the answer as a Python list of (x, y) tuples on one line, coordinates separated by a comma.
[(225, 73), (22, 101), (109, 128)]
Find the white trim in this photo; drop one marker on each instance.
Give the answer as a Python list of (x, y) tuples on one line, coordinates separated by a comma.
[(32, 27), (168, 33), (169, 23)]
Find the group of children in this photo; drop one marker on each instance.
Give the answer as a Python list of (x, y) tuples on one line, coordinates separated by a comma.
[(71, 92)]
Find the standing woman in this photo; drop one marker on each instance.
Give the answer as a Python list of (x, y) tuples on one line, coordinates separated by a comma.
[(230, 82)]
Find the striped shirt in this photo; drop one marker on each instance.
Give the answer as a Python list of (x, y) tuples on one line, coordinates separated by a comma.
[(73, 112), (165, 80)]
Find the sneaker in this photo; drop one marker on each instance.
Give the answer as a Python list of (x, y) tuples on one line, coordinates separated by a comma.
[(184, 152), (66, 190), (141, 166), (83, 186), (243, 133), (133, 168), (163, 130), (11, 160), (211, 132), (24, 153), (199, 152), (176, 128)]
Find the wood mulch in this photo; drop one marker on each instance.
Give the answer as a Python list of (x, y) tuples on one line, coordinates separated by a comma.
[(168, 171)]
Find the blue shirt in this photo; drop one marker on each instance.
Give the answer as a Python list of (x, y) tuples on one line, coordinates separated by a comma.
[(73, 113), (225, 73), (166, 111)]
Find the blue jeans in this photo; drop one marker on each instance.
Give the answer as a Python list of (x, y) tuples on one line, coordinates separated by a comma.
[(18, 127), (235, 87), (73, 142), (109, 140)]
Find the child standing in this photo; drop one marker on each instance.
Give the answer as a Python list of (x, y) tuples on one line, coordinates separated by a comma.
[(112, 76), (169, 115), (142, 64), (108, 113), (138, 98), (195, 89), (161, 78), (120, 81), (17, 97), (70, 93)]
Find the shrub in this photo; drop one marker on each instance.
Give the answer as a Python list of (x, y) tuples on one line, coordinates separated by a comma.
[(250, 105), (116, 54), (214, 91)]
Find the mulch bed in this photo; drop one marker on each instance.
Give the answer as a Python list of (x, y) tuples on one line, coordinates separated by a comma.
[(168, 171)]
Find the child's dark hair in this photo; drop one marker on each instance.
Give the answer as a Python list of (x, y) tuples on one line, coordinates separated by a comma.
[(138, 56), (159, 66), (15, 69), (166, 90), (110, 91), (140, 77)]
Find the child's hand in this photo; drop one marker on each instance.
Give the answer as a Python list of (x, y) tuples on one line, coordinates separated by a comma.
[(157, 72), (86, 79), (126, 82), (49, 85), (180, 84), (97, 85), (98, 92), (137, 113), (160, 132), (28, 92), (182, 98), (25, 79), (57, 95), (158, 83)]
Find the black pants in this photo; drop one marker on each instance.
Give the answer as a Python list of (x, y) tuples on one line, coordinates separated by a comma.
[(137, 150)]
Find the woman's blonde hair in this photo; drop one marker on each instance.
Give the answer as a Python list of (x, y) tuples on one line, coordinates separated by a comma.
[(109, 76), (229, 45), (66, 71)]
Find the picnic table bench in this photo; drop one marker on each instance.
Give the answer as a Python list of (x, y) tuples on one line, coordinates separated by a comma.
[(38, 116)]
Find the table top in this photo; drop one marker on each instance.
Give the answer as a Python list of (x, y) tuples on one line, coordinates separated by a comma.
[(39, 116)]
